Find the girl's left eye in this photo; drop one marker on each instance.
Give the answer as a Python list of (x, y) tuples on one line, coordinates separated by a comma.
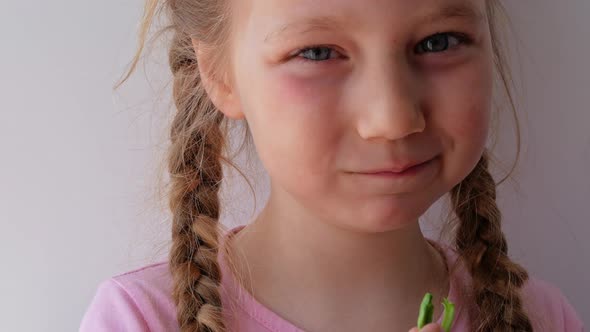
[(441, 42), (436, 43)]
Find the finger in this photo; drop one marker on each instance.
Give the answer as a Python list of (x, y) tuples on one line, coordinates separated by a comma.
[(432, 327)]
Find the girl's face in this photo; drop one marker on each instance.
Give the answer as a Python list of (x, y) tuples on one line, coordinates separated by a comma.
[(334, 88)]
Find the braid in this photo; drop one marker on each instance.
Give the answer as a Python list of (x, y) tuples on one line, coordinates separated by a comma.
[(195, 174), (482, 246)]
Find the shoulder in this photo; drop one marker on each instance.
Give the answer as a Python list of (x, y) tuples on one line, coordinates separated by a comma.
[(151, 283), (548, 307), (137, 300), (545, 304)]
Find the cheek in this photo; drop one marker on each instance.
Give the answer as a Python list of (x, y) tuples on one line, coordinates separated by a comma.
[(459, 109), (467, 120), (295, 124), (468, 135), (471, 127), (473, 118), (311, 90), (462, 105)]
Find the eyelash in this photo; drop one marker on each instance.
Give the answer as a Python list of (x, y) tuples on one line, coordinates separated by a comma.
[(463, 39)]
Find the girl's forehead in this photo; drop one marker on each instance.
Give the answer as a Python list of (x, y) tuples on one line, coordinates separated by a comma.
[(359, 8), (283, 17)]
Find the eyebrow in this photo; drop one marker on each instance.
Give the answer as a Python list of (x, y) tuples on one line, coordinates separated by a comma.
[(328, 22)]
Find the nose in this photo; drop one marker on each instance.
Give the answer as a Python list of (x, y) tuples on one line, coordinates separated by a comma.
[(390, 105)]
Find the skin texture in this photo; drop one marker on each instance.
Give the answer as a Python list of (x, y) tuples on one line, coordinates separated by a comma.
[(328, 235)]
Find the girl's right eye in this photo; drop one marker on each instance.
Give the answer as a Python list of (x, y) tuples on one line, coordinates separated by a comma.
[(316, 53)]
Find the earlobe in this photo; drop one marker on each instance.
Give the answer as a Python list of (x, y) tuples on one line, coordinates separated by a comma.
[(219, 91)]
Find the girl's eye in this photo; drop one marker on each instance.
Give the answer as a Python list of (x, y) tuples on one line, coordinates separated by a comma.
[(316, 53), (441, 42)]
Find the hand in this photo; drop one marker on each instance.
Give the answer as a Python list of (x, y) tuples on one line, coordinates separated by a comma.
[(432, 327)]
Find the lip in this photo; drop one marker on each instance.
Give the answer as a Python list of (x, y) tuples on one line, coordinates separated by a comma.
[(411, 179), (396, 170)]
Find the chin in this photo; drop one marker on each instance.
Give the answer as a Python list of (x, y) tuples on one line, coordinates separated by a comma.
[(389, 213), (379, 221)]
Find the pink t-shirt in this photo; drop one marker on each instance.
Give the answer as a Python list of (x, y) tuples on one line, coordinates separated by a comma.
[(140, 300)]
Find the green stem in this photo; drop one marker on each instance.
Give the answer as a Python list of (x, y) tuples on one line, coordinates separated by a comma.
[(449, 314), (426, 311)]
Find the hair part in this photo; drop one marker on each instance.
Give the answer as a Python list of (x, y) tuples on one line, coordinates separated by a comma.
[(199, 137)]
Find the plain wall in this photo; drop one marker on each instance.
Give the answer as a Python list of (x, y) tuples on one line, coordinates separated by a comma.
[(78, 174)]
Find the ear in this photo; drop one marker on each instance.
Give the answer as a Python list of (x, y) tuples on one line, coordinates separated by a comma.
[(221, 92)]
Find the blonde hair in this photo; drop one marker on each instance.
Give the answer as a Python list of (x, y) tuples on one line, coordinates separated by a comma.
[(199, 137)]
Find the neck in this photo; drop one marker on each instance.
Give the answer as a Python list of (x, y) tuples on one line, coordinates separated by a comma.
[(291, 253)]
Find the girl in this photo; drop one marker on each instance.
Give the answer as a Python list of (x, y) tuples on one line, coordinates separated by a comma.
[(364, 113)]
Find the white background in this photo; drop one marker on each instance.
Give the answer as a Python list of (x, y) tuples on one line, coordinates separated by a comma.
[(79, 162)]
